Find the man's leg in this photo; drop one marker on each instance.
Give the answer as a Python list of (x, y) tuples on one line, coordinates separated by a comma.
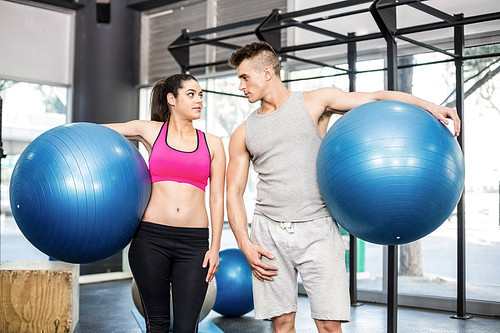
[(321, 264), (284, 323), (274, 298), (328, 326)]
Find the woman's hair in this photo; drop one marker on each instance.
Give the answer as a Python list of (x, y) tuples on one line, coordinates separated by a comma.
[(160, 110), (260, 53)]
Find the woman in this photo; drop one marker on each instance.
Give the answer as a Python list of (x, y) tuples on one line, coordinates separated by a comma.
[(171, 243)]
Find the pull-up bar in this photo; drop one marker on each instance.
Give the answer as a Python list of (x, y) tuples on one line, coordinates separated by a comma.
[(269, 27)]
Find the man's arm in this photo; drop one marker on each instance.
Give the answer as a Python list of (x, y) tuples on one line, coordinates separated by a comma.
[(237, 176), (326, 101)]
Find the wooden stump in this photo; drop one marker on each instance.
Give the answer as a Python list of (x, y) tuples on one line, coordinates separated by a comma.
[(39, 297)]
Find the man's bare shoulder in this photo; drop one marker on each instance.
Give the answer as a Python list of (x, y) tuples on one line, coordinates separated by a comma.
[(240, 130), (323, 94), (322, 101), (237, 144)]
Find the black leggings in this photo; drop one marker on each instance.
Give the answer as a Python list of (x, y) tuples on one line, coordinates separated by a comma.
[(160, 255)]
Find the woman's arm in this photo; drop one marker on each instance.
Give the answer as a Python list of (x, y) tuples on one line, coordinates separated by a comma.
[(216, 201), (143, 131)]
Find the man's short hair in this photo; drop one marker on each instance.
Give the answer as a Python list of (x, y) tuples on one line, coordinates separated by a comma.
[(260, 53)]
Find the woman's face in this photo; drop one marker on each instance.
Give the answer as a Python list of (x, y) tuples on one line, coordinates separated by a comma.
[(189, 101)]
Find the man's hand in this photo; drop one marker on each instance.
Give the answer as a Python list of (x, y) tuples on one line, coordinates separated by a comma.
[(442, 113), (260, 269)]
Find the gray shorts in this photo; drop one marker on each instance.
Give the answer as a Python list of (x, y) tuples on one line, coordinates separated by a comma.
[(316, 251)]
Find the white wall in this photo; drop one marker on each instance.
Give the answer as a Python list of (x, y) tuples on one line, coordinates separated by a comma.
[(36, 44)]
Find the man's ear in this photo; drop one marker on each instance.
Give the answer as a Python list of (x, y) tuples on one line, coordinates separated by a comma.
[(268, 72)]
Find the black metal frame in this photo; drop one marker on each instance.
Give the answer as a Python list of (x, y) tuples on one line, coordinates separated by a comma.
[(268, 29), (384, 13)]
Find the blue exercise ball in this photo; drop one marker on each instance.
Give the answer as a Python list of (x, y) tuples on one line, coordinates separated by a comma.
[(234, 284), (390, 172), (78, 192)]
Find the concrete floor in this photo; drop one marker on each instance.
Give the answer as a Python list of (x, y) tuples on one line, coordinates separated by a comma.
[(107, 307)]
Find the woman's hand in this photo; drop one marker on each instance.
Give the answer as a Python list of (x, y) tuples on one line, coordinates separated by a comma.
[(211, 259)]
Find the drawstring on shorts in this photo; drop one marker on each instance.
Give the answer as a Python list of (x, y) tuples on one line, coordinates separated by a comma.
[(288, 226)]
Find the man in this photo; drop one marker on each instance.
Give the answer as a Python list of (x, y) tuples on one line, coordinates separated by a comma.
[(292, 230)]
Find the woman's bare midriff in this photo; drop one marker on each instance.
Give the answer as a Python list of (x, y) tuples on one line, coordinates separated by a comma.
[(176, 204)]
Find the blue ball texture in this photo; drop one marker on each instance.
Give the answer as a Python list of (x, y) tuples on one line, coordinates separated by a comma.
[(234, 284), (390, 172), (78, 192)]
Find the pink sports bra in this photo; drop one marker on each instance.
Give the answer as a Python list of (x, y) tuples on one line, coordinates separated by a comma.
[(167, 163)]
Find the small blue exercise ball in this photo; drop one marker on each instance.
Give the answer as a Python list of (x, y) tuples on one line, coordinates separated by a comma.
[(234, 284), (390, 172), (78, 192)]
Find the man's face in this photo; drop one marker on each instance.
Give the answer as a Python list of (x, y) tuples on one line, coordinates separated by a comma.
[(251, 81)]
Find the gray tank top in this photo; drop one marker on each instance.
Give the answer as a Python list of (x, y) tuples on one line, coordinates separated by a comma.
[(283, 147)]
